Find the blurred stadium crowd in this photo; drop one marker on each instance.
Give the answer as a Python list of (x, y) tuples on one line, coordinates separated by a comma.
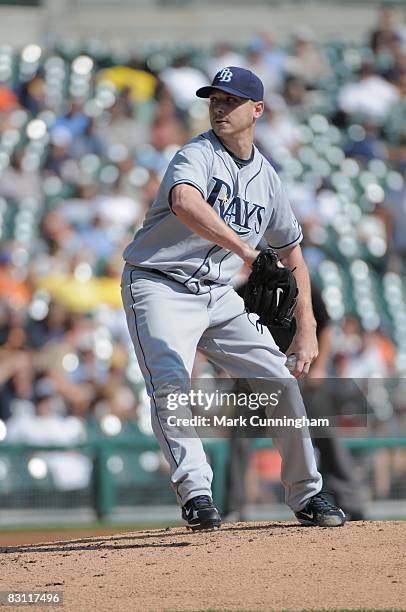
[(85, 136)]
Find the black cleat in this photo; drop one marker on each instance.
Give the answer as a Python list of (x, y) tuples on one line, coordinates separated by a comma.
[(199, 513), (319, 512)]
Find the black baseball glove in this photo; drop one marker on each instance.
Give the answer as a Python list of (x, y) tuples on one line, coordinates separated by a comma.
[(271, 291)]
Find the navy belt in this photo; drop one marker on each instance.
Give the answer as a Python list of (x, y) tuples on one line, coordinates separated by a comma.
[(160, 273)]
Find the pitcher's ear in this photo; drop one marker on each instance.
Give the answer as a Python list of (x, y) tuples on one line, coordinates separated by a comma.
[(258, 108)]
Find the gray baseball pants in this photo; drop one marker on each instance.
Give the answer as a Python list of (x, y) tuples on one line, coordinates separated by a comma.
[(167, 323)]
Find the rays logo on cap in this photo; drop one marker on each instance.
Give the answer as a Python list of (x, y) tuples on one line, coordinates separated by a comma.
[(225, 75)]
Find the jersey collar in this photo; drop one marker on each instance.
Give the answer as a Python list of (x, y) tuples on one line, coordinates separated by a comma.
[(240, 163)]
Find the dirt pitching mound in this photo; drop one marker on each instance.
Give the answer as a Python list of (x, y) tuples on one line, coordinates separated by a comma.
[(242, 566)]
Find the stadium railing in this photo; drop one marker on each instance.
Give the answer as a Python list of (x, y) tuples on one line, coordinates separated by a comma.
[(103, 489)]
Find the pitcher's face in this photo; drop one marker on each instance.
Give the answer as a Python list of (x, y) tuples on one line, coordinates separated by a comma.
[(231, 114)]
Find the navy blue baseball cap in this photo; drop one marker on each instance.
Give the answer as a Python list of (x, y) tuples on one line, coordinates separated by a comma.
[(236, 81)]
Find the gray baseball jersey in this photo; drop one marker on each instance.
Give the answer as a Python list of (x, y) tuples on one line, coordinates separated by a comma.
[(249, 197)]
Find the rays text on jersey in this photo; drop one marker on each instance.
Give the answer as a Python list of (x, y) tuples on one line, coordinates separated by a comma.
[(243, 216)]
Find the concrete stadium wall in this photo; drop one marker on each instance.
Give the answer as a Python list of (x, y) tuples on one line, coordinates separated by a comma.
[(200, 23), (20, 25)]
